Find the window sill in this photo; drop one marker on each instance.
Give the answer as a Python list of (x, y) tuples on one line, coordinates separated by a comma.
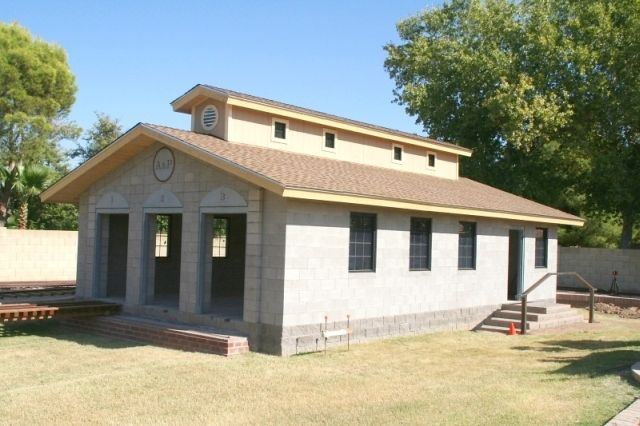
[(420, 270), (466, 269), (362, 271)]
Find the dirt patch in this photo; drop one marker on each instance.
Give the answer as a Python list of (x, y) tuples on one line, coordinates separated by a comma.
[(608, 308)]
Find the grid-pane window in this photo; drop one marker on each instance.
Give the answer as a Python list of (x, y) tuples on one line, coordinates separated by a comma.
[(163, 224), (280, 130), (467, 245), (420, 244), (329, 140), (541, 247), (397, 153), (220, 235), (362, 242)]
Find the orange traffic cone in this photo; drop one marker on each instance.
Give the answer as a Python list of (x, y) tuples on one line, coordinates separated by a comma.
[(512, 330)]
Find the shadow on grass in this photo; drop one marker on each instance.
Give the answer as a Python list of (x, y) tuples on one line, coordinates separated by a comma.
[(597, 364), (604, 357), (56, 330)]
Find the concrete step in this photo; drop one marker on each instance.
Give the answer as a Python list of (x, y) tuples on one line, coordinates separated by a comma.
[(176, 336), (539, 316), (550, 322), (536, 308), (516, 315), (505, 323), (554, 323)]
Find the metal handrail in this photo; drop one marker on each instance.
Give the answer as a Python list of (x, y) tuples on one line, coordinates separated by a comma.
[(525, 294)]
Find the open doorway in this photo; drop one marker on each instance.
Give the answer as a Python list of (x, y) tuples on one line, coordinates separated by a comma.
[(117, 258), (224, 261), (163, 259), (113, 239), (515, 264)]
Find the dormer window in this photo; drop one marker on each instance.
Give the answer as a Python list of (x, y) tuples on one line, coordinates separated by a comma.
[(329, 141), (279, 130), (431, 160), (398, 153)]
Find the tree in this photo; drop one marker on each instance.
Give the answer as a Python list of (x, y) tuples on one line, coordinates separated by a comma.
[(37, 90), (29, 182), (545, 92), (104, 131)]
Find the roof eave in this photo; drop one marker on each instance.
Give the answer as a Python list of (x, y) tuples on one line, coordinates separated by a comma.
[(306, 194), (55, 193), (50, 194), (185, 102)]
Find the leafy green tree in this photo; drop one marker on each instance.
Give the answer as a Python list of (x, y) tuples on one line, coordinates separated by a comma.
[(37, 90), (52, 216), (544, 92), (104, 131)]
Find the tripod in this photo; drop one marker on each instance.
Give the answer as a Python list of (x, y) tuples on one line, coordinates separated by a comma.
[(614, 289)]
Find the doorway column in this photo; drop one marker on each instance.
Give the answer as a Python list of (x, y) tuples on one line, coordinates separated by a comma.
[(190, 259)]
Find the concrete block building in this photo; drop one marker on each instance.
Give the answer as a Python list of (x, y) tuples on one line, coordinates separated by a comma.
[(275, 221)]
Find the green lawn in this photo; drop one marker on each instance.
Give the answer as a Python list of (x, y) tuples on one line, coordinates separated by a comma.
[(49, 375)]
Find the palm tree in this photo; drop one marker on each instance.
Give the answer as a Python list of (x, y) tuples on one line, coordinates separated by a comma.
[(7, 178), (28, 182)]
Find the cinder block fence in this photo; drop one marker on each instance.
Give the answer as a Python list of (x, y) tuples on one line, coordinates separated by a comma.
[(35, 255), (596, 266)]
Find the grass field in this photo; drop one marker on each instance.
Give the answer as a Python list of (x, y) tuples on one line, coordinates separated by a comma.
[(49, 375)]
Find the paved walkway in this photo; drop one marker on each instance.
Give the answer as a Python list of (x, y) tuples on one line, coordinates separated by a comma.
[(627, 417)]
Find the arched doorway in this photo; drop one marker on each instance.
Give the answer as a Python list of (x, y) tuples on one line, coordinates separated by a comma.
[(112, 240), (162, 249), (223, 214)]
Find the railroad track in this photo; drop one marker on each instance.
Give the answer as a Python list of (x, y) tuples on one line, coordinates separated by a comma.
[(52, 291)]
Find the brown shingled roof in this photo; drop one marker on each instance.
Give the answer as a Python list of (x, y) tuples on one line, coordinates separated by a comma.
[(306, 172)]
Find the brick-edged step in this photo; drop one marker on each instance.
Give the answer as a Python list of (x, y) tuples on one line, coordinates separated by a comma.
[(176, 336), (539, 316)]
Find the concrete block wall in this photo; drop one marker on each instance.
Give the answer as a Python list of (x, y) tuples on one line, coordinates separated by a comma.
[(296, 264), (191, 181), (37, 255), (317, 282), (596, 266)]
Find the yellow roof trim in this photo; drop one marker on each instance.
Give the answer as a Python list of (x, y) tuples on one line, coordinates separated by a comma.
[(394, 204)]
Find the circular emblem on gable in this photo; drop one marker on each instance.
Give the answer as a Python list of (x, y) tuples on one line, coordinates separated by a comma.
[(163, 164)]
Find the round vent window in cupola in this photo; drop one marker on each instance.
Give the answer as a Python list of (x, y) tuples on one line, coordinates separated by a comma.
[(209, 117)]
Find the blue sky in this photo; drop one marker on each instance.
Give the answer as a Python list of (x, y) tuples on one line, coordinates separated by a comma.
[(131, 58)]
